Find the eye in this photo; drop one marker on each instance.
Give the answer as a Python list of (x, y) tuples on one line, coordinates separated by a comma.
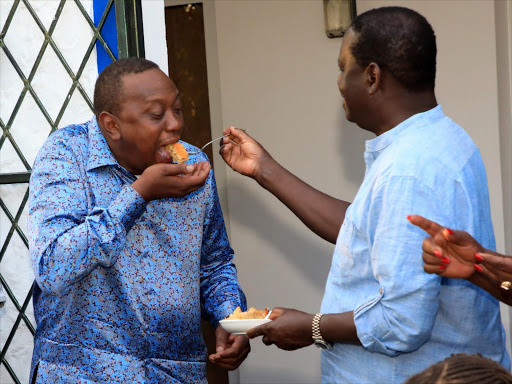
[(157, 115), (177, 107)]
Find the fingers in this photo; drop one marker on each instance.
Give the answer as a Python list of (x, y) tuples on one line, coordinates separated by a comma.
[(201, 169), (500, 262), (481, 269), (236, 136), (429, 226), (234, 132), (430, 246), (196, 169), (433, 263), (221, 339), (256, 331), (232, 354), (179, 169), (459, 238), (260, 331)]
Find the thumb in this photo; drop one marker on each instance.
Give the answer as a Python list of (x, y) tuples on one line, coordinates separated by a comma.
[(179, 169), (458, 237), (221, 339)]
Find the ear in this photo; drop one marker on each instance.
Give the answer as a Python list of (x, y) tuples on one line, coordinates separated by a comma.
[(109, 126), (373, 78)]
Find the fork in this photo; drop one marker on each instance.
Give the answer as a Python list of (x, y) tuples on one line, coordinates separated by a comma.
[(208, 143)]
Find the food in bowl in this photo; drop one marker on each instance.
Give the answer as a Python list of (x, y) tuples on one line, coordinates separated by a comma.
[(238, 323), (251, 313)]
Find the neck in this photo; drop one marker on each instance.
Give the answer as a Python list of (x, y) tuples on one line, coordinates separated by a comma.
[(399, 108)]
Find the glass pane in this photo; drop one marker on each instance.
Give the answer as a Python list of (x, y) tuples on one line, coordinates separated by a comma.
[(11, 88), (31, 121), (24, 39), (9, 160), (69, 35), (17, 269)]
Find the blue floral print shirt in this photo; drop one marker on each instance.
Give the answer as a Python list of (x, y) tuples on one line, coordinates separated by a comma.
[(121, 284)]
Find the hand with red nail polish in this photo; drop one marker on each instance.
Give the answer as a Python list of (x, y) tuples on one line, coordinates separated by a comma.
[(452, 253), (447, 252)]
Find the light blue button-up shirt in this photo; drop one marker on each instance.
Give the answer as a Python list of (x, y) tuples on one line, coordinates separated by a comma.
[(407, 319), (121, 283)]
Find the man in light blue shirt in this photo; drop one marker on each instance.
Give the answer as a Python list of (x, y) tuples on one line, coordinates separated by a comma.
[(382, 318)]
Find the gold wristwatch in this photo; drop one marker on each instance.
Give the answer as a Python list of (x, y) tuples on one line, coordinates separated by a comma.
[(318, 340)]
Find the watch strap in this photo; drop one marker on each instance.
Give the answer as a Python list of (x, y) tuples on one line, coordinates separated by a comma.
[(317, 335)]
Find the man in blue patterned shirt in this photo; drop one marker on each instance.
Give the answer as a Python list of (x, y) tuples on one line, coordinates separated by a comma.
[(385, 319), (129, 251)]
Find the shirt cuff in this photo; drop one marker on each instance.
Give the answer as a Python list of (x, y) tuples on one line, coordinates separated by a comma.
[(127, 207), (368, 318)]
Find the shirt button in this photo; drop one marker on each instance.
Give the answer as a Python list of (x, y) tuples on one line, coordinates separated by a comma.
[(380, 291)]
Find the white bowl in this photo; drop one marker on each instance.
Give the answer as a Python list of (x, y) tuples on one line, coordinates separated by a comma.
[(240, 327)]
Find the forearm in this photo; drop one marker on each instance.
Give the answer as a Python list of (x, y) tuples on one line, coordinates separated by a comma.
[(72, 256), (67, 247), (320, 212), (339, 328), (221, 294), (492, 276)]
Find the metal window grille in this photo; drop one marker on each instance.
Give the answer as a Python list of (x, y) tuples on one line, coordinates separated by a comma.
[(13, 214)]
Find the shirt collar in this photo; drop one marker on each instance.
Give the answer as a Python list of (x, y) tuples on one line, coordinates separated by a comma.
[(99, 152), (418, 120)]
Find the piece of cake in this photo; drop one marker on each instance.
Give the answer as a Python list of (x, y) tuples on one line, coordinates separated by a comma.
[(178, 152)]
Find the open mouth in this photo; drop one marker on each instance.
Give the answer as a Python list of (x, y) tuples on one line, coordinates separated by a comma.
[(163, 156)]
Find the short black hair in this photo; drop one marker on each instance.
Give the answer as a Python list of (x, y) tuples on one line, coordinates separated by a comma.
[(400, 41), (108, 95), (462, 368)]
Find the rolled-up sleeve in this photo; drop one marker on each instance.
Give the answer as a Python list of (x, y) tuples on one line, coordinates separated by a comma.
[(399, 316)]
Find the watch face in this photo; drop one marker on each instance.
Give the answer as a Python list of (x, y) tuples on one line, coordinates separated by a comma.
[(322, 344)]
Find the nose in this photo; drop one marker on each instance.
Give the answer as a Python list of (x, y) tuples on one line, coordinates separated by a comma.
[(174, 123)]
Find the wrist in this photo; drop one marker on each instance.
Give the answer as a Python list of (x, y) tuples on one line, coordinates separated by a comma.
[(138, 187), (318, 340), (267, 171)]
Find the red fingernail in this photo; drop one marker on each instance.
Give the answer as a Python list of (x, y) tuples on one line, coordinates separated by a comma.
[(445, 260), (408, 217), (450, 232), (478, 268), (442, 267), (438, 253), (478, 257)]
